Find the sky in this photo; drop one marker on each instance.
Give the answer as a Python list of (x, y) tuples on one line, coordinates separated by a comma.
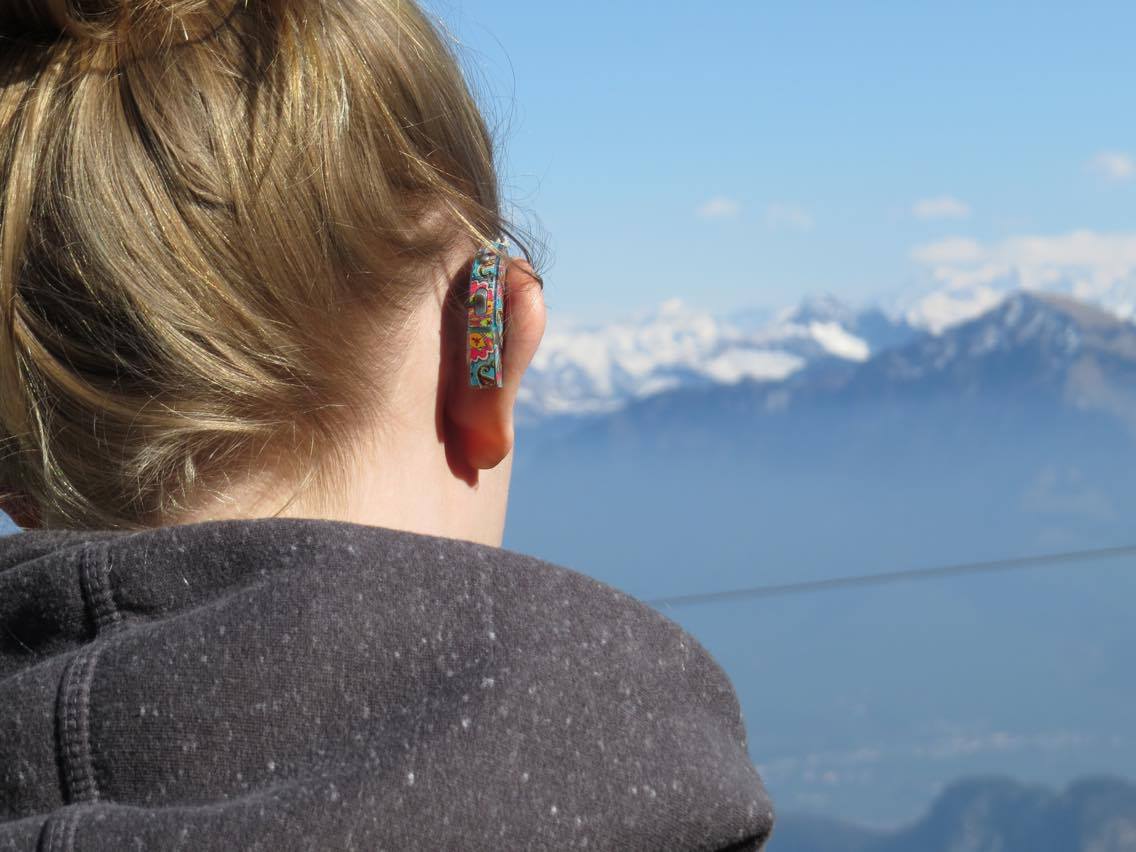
[(748, 154)]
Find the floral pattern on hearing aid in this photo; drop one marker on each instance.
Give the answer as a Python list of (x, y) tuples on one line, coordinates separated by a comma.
[(486, 311)]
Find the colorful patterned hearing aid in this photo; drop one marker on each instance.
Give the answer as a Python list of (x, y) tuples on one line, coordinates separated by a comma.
[(487, 316)]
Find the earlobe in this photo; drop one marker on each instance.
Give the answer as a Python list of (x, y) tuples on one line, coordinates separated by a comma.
[(480, 419)]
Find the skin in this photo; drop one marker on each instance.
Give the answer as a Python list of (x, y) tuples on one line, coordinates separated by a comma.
[(438, 457), (443, 457)]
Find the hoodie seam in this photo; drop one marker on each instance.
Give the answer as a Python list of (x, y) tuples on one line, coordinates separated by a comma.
[(73, 735), (98, 592), (49, 836), (74, 728), (73, 699), (60, 831)]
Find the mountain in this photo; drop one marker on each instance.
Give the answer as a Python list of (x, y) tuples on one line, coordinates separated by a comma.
[(1030, 351), (586, 370), (987, 815), (1002, 437), (873, 326), (963, 278), (1030, 342), (583, 370)]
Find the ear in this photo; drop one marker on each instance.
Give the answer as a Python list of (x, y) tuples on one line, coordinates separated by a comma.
[(480, 420)]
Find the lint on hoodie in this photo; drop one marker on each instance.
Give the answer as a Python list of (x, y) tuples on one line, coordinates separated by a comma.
[(283, 684)]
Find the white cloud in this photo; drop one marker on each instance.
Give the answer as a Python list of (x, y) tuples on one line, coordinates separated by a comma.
[(950, 250), (940, 207), (789, 216), (719, 207), (1114, 165), (971, 277)]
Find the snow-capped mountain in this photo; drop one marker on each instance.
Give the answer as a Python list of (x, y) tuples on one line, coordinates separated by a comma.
[(1046, 355), (602, 369), (581, 370), (1033, 338), (966, 278), (825, 327), (596, 369)]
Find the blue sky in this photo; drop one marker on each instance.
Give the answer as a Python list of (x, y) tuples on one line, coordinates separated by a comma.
[(748, 153)]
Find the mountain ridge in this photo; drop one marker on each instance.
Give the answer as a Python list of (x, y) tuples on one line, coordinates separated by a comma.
[(585, 370), (1031, 348), (603, 370), (987, 814)]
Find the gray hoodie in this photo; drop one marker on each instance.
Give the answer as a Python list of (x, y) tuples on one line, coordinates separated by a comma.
[(288, 684)]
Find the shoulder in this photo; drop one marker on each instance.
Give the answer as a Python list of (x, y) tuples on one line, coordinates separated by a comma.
[(396, 686)]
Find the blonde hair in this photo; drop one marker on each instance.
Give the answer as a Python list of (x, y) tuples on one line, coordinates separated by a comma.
[(200, 201)]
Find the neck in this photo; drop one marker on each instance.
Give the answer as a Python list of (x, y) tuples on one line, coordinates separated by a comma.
[(401, 472)]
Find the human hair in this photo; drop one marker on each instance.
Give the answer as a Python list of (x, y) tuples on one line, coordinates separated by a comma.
[(210, 212)]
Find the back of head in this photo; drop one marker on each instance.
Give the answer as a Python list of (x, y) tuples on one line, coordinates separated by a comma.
[(209, 209)]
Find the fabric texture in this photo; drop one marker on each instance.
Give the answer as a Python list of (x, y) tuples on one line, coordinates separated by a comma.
[(285, 684)]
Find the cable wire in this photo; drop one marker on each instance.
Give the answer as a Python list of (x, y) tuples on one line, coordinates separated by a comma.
[(810, 586)]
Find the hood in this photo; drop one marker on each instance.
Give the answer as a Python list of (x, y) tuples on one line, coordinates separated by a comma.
[(310, 684)]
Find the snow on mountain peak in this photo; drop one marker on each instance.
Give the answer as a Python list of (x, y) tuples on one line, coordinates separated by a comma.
[(942, 309), (596, 369), (824, 308), (734, 365), (968, 278), (1041, 334), (592, 370), (582, 370), (833, 337)]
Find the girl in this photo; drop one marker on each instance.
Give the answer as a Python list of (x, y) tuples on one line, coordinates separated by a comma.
[(260, 601)]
